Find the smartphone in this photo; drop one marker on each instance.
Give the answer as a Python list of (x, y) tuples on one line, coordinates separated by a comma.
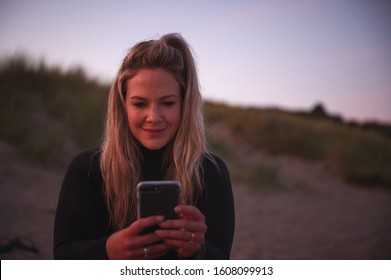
[(157, 198)]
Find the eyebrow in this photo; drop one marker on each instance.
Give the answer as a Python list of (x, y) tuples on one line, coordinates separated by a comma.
[(163, 97)]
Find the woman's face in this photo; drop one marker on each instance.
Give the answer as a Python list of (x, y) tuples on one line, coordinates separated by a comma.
[(153, 104)]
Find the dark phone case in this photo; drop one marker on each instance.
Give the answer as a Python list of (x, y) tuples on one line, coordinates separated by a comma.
[(157, 198)]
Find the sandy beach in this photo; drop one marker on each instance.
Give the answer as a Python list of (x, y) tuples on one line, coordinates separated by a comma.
[(311, 215)]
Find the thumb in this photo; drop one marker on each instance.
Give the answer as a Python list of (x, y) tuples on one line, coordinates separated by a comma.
[(139, 225)]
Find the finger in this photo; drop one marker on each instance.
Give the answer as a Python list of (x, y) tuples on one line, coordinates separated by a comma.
[(188, 252), (154, 251), (184, 237), (187, 243), (184, 247), (182, 244), (189, 211), (186, 225), (178, 224), (141, 224), (144, 240)]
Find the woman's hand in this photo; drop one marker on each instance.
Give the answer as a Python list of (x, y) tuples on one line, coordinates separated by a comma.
[(187, 233), (129, 243)]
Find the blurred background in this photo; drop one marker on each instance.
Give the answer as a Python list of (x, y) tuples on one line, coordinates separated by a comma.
[(298, 104)]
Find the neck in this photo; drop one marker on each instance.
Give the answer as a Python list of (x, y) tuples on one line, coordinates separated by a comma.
[(152, 165)]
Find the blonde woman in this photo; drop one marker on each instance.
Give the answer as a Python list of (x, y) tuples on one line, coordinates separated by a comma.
[(154, 131)]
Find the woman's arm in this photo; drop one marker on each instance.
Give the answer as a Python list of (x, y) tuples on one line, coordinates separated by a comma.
[(218, 207), (82, 229), (204, 231)]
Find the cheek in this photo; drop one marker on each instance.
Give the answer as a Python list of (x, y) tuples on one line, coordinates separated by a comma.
[(175, 117), (134, 119)]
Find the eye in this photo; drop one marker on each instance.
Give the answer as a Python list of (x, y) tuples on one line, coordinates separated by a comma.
[(139, 104), (169, 103)]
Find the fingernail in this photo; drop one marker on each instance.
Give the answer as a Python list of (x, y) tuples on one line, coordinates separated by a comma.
[(159, 219), (162, 224)]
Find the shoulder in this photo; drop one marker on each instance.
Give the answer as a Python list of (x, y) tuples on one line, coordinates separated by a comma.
[(211, 160), (214, 168), (86, 162), (86, 158)]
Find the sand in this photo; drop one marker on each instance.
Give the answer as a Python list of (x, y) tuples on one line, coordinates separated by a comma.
[(311, 214)]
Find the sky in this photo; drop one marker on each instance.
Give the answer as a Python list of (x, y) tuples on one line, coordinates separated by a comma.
[(290, 54)]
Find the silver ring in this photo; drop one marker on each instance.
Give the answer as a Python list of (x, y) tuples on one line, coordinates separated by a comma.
[(192, 238), (145, 252)]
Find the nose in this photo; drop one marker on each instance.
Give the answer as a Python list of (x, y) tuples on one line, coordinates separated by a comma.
[(154, 114)]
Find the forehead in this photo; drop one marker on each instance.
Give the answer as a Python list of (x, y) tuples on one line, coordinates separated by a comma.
[(152, 82)]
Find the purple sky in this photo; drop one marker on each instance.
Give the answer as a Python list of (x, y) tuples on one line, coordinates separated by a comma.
[(287, 54)]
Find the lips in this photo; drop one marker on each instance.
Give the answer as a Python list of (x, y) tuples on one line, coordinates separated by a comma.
[(154, 131)]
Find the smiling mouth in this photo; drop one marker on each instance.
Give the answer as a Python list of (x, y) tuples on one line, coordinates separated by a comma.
[(154, 131)]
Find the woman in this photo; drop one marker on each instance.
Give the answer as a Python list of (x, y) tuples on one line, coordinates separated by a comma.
[(154, 131)]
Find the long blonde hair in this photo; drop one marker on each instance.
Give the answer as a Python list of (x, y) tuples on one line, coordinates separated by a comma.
[(121, 157)]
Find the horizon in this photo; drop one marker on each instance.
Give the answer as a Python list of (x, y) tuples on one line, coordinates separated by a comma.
[(35, 63), (290, 55)]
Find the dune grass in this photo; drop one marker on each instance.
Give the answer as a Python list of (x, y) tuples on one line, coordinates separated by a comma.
[(51, 114), (258, 175), (47, 112), (360, 156)]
